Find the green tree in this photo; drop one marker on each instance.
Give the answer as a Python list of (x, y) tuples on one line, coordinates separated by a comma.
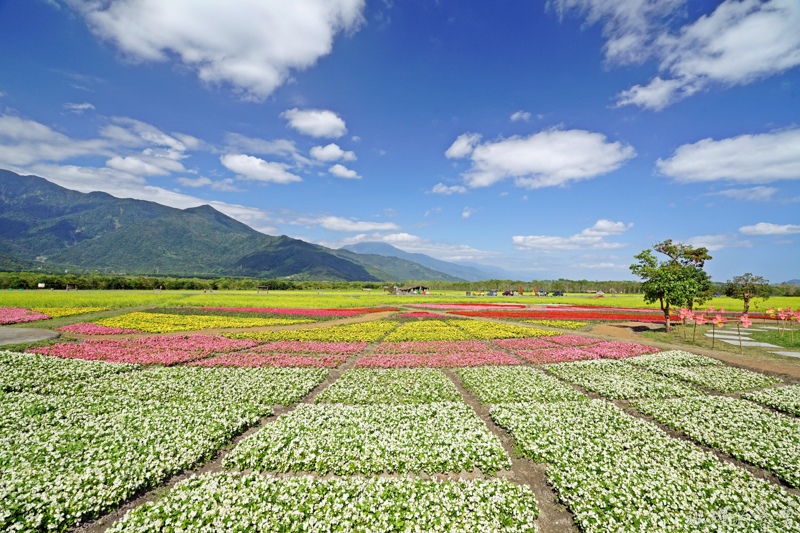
[(672, 283), (747, 287)]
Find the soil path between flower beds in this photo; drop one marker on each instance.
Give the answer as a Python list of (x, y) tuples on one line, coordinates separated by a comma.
[(553, 517), (339, 322), (104, 522), (23, 335)]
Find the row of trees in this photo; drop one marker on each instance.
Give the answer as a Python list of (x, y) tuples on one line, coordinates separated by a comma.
[(681, 281)]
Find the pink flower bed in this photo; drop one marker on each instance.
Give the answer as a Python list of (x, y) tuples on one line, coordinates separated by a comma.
[(556, 355), (430, 347), (87, 328), (437, 360), (17, 315), (147, 350), (619, 349), (573, 340), (298, 311), (251, 359), (523, 344), (331, 348), (468, 306)]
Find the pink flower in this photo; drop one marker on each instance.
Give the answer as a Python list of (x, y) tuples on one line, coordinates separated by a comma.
[(700, 318), (87, 328), (619, 349), (746, 322), (719, 320)]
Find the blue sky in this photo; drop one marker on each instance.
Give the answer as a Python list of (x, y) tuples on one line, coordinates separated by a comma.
[(554, 139)]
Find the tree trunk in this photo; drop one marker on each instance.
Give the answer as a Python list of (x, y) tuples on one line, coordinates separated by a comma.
[(746, 305), (668, 327)]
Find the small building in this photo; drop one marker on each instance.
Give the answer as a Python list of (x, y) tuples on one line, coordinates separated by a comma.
[(413, 289)]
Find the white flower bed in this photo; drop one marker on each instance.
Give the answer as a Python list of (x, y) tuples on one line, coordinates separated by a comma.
[(622, 474), (738, 427), (786, 399), (617, 380), (345, 440), (719, 378), (28, 371), (405, 385), (516, 384), (227, 502), (672, 358), (79, 450)]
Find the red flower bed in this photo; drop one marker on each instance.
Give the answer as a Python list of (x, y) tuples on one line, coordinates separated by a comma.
[(299, 311), (566, 315)]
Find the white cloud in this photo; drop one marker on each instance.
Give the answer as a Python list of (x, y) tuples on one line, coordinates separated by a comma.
[(593, 238), (433, 211), (236, 143), (521, 115), (718, 242), (761, 158), (441, 188), (315, 122), (334, 223), (331, 152), (468, 212), (254, 168), (78, 108), (766, 228), (546, 159), (225, 185), (145, 165), (340, 171), (463, 145), (23, 142), (740, 42), (602, 266), (752, 194), (253, 45), (356, 138)]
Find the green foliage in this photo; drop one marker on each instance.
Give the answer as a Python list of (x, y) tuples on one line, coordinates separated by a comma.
[(747, 287)]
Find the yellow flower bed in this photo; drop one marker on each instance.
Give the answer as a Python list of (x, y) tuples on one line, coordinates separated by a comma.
[(493, 330), (164, 323), (563, 324), (58, 312), (429, 330), (366, 331)]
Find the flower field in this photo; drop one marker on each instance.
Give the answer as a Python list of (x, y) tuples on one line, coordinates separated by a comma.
[(147, 350), (514, 384), (18, 315), (619, 473), (559, 314), (58, 312), (166, 323), (390, 386), (265, 504), (373, 439), (563, 324), (390, 439), (738, 427)]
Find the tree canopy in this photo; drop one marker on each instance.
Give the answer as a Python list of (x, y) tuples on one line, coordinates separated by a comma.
[(747, 287)]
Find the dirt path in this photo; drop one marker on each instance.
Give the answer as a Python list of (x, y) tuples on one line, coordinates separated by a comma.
[(338, 322)]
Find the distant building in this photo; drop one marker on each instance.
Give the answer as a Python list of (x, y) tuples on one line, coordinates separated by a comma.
[(413, 289)]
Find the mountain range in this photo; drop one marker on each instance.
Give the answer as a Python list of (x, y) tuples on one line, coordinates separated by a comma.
[(42, 224)]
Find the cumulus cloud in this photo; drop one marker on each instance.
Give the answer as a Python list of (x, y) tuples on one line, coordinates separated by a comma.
[(78, 108), (521, 115), (416, 244), (145, 165), (331, 152), (739, 42), (237, 143), (252, 45), (752, 194), (718, 242), (23, 142), (463, 145), (340, 171), (441, 188), (766, 228), (545, 159), (593, 238), (315, 122), (334, 223), (761, 158), (253, 168), (225, 185)]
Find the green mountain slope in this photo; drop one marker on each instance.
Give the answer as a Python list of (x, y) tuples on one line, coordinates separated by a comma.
[(398, 268)]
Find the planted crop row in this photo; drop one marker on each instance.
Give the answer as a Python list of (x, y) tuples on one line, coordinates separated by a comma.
[(390, 386), (520, 384), (361, 332), (563, 324), (786, 399), (58, 312), (622, 474), (372, 439), (562, 354), (618, 381), (738, 427), (566, 315), (719, 378), (167, 323), (437, 360), (32, 372), (265, 504)]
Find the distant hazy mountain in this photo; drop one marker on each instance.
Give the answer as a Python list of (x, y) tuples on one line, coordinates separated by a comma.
[(466, 271), (795, 281), (43, 224)]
